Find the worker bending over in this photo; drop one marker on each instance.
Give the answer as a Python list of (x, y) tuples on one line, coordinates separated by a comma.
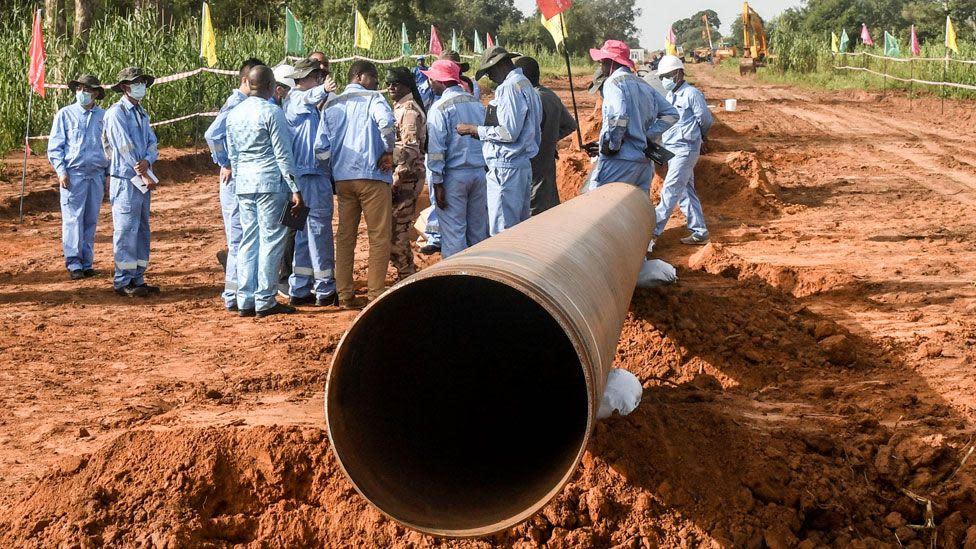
[(686, 139)]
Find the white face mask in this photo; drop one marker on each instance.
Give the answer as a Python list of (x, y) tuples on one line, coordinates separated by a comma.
[(137, 91), (83, 98), (668, 83)]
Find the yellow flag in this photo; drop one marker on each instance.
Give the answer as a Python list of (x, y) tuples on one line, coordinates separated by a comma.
[(555, 28), (208, 40), (951, 36), (364, 36), (833, 43)]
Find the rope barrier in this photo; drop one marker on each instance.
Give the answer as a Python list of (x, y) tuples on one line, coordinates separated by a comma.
[(915, 80), (153, 124), (906, 59)]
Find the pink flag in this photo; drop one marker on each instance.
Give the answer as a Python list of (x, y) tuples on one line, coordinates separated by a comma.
[(915, 46), (672, 37), (866, 36), (35, 72), (435, 42), (488, 41)]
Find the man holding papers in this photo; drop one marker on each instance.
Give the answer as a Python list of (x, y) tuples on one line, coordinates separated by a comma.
[(131, 147)]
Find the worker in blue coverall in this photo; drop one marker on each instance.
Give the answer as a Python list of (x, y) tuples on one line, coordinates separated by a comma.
[(422, 85), (455, 166), (216, 139), (633, 116), (510, 139), (131, 146), (313, 269), (260, 152), (77, 156), (686, 140)]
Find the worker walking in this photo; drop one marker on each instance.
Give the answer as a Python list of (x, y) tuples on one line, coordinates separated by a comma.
[(408, 164), (259, 148), (131, 146), (455, 166), (557, 123), (359, 128), (77, 156), (634, 115), (216, 136), (510, 138), (313, 268), (686, 140)]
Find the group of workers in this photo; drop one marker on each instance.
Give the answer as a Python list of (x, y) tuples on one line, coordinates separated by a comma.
[(286, 141)]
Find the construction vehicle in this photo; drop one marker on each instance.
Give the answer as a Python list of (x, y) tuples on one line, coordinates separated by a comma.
[(754, 47), (726, 51), (703, 54)]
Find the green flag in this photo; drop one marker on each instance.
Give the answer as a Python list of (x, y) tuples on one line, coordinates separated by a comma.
[(454, 45), (844, 40), (891, 46), (405, 48), (477, 43), (294, 42)]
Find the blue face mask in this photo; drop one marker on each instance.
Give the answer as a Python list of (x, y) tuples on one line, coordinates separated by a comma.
[(668, 83), (137, 91), (84, 98)]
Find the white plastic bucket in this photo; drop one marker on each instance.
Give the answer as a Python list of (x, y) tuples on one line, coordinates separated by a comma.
[(730, 104)]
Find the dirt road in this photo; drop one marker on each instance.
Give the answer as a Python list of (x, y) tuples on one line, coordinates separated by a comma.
[(809, 381)]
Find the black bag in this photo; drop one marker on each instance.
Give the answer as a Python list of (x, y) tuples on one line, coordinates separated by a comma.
[(294, 221), (658, 154)]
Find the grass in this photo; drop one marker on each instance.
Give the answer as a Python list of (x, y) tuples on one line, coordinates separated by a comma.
[(118, 42)]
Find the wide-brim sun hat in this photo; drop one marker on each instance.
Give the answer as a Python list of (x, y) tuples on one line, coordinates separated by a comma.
[(281, 73), (614, 50), (90, 81), (492, 57), (304, 68), (443, 70), (129, 75), (452, 55), (598, 80), (669, 63)]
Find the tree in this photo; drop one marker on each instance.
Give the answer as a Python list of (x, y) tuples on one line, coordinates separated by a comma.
[(83, 20), (691, 31), (55, 17)]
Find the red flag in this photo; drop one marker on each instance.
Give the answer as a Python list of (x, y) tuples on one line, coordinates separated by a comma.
[(35, 73), (435, 42), (915, 46), (488, 41), (552, 8), (866, 36)]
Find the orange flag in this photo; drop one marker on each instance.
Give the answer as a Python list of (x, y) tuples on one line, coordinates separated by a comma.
[(35, 72)]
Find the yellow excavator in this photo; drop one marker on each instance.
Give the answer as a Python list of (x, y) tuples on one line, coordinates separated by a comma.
[(753, 41)]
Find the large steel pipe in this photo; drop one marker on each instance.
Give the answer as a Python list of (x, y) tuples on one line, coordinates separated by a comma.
[(460, 402)]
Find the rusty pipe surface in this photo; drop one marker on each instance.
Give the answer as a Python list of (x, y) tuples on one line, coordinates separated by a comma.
[(461, 401)]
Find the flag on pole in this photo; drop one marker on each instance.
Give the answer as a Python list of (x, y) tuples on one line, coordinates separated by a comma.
[(915, 46), (951, 36), (363, 37), (35, 71), (489, 43), (552, 8), (435, 42), (671, 42), (294, 41), (555, 28), (891, 48), (454, 44), (208, 40), (405, 47), (866, 35), (844, 40), (478, 48), (833, 43)]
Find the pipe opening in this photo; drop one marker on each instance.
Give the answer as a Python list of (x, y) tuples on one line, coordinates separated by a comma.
[(456, 403)]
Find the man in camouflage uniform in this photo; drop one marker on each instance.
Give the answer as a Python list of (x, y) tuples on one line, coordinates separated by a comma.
[(408, 159)]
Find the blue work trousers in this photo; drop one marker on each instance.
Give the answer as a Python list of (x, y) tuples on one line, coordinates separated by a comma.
[(130, 238), (509, 197), (432, 233), (262, 244), (313, 269), (679, 190), (615, 170), (232, 230), (80, 203), (464, 222)]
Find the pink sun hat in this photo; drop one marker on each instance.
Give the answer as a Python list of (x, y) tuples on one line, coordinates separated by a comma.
[(615, 50), (443, 71)]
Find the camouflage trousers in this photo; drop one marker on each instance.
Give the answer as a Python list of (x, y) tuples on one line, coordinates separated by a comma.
[(404, 215)]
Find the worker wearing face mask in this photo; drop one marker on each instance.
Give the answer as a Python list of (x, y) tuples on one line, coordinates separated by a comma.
[(131, 146), (76, 154), (686, 139)]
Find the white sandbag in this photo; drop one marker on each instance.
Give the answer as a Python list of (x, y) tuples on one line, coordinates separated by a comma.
[(421, 223), (655, 273), (622, 394)]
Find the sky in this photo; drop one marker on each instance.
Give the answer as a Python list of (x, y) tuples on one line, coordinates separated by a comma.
[(657, 15)]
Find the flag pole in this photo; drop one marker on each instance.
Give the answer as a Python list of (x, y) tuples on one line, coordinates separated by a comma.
[(569, 71), (23, 177), (945, 70), (911, 83)]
